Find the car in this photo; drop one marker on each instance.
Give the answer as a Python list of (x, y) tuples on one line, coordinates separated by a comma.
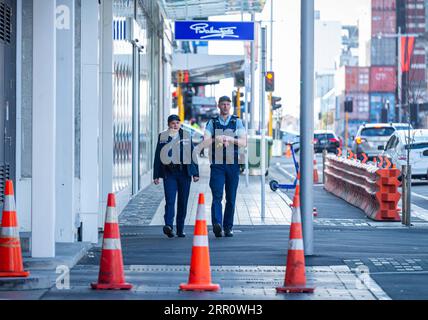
[(371, 138), (400, 144), (325, 140)]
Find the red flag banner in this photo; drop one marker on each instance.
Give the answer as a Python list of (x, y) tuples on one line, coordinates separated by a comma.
[(407, 46)]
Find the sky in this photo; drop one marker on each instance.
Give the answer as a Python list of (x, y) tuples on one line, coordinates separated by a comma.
[(286, 49)]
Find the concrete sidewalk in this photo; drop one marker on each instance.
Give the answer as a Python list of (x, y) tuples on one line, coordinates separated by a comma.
[(247, 204)]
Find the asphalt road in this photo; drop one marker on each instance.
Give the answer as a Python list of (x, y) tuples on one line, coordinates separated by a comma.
[(396, 256)]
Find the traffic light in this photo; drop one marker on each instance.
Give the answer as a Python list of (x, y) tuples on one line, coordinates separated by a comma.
[(174, 100), (349, 106), (275, 104), (270, 81), (188, 101), (239, 79)]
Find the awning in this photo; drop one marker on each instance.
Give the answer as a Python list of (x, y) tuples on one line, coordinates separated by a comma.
[(190, 9)]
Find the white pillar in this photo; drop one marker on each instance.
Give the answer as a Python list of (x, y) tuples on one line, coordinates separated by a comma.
[(65, 208), (44, 133), (106, 110), (89, 193)]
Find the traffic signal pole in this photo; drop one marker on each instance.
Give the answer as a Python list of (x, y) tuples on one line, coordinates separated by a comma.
[(346, 129), (180, 99), (270, 128), (238, 102)]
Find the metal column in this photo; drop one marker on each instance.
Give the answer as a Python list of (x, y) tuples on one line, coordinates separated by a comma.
[(307, 122), (253, 79), (263, 126), (135, 118)]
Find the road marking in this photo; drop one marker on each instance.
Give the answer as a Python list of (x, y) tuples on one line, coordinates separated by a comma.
[(286, 172), (419, 196), (420, 212)]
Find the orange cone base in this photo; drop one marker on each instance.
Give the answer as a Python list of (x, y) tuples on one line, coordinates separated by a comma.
[(23, 274), (295, 289), (111, 286), (199, 287)]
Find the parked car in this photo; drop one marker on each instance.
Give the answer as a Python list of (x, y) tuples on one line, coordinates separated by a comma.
[(399, 145), (371, 138), (325, 139)]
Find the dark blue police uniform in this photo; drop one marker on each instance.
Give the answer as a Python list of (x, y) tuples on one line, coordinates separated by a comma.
[(224, 176), (176, 176)]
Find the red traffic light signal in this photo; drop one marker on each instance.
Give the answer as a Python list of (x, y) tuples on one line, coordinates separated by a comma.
[(270, 81)]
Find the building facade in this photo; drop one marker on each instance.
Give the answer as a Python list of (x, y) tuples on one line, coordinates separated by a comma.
[(85, 91)]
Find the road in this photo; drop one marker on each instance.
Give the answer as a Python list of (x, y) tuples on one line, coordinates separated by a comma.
[(348, 246)]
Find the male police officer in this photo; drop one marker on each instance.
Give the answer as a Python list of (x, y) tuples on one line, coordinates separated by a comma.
[(224, 134), (173, 163)]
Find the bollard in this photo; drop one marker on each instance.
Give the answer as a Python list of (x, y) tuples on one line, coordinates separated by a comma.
[(407, 195), (324, 157)]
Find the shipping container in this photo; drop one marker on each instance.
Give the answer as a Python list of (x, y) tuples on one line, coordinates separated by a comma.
[(357, 79), (382, 107), (361, 106), (384, 22), (384, 52), (390, 5), (383, 79)]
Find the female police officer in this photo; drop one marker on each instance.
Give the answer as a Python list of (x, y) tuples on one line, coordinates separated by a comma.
[(174, 163)]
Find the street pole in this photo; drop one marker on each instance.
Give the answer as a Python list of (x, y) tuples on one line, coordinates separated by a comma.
[(270, 128), (135, 119), (263, 126), (346, 130), (180, 96), (399, 76), (307, 122), (271, 35), (238, 102), (253, 79)]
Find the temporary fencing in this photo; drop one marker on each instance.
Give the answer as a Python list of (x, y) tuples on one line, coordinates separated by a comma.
[(372, 189)]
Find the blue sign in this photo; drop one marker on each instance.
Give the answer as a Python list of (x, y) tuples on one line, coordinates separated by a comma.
[(211, 30)]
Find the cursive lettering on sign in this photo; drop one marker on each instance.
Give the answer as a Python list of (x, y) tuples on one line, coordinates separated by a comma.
[(203, 28)]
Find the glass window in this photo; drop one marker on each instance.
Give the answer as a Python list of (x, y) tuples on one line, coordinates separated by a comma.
[(377, 132)]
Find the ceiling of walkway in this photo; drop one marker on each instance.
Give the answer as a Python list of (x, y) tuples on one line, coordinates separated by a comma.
[(191, 9)]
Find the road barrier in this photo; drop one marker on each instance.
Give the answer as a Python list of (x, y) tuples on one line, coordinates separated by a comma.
[(374, 190)]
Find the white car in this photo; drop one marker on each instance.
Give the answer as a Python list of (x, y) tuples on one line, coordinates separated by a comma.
[(399, 144)]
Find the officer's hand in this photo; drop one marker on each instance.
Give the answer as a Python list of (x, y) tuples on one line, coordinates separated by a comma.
[(195, 179), (156, 181)]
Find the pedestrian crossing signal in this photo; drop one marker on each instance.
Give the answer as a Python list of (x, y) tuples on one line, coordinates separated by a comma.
[(275, 104)]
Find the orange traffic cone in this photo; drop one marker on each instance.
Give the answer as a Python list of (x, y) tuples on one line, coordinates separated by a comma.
[(200, 270), (11, 265), (111, 274), (295, 277), (288, 152), (316, 176)]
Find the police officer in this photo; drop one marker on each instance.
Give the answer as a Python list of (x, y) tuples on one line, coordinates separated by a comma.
[(174, 163), (224, 135)]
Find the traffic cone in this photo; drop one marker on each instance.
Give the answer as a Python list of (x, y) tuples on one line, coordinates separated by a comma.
[(111, 275), (200, 270), (288, 152), (295, 276), (316, 176), (11, 265)]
